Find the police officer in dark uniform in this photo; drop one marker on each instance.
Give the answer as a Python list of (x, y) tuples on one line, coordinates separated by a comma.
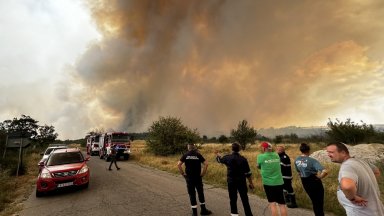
[(286, 171), (193, 176), (114, 156), (237, 172)]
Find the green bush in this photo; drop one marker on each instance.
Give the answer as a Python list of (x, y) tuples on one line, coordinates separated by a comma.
[(223, 139), (244, 134), (350, 132), (169, 136)]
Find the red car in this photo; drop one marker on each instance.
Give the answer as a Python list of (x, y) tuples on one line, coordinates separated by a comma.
[(64, 168)]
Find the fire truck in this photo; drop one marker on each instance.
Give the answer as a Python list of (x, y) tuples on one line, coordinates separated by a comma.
[(89, 141), (93, 142), (121, 139), (95, 145)]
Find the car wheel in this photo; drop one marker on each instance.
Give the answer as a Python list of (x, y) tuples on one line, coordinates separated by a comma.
[(39, 194), (86, 185), (126, 157)]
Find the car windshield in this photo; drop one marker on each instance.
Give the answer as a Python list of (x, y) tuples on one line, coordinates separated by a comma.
[(65, 158), (49, 150), (120, 138)]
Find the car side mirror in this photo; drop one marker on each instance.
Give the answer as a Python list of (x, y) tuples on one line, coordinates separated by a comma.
[(42, 153), (41, 163)]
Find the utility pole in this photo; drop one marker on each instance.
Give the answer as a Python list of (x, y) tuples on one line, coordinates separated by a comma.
[(5, 148), (20, 162)]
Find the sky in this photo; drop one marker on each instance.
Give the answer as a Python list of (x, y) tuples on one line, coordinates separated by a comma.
[(120, 65)]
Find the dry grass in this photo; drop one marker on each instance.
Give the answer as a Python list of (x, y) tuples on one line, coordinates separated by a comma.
[(216, 174), (14, 190)]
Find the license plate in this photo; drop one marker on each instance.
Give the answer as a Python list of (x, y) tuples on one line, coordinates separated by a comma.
[(65, 184)]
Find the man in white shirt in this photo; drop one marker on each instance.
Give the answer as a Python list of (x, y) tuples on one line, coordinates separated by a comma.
[(358, 190)]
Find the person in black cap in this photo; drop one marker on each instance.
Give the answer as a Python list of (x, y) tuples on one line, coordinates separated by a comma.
[(193, 175), (237, 172)]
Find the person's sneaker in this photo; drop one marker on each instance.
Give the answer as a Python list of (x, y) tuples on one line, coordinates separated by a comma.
[(109, 169), (205, 212), (118, 168)]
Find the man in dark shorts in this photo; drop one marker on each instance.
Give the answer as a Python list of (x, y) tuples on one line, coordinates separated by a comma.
[(269, 163), (193, 176)]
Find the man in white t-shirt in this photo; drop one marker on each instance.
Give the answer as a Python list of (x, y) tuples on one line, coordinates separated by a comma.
[(358, 190)]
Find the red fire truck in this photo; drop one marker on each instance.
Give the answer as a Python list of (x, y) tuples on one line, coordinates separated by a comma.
[(120, 139), (93, 141)]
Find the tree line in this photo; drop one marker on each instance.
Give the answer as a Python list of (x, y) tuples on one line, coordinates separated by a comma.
[(168, 135), (23, 127), (29, 128)]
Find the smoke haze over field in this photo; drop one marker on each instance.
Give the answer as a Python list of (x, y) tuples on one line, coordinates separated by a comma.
[(214, 63)]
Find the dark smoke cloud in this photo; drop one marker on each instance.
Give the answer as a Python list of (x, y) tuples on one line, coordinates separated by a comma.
[(214, 63)]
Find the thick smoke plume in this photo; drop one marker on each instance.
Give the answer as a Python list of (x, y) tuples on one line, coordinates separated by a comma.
[(214, 63)]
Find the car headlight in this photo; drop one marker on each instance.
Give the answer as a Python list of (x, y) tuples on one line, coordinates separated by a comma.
[(45, 174), (84, 169)]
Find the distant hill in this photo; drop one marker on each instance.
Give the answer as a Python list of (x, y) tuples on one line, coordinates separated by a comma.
[(301, 131), (379, 127)]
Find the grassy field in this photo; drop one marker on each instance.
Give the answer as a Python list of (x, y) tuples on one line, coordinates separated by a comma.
[(216, 174)]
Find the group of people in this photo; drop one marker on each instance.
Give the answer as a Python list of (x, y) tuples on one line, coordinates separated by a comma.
[(358, 190)]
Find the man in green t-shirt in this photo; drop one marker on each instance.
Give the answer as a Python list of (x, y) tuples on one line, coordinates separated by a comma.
[(269, 163)]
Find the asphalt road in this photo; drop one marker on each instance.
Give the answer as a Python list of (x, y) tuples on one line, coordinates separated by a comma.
[(135, 190)]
